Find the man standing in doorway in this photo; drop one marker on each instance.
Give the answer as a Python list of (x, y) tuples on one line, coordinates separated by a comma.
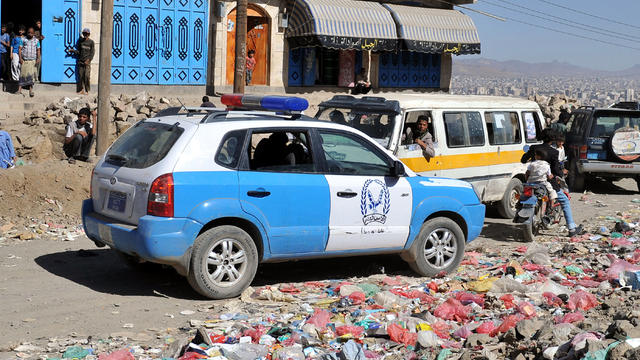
[(29, 57), (250, 64), (85, 50)]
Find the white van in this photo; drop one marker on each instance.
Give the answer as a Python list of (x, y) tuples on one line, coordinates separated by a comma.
[(479, 139)]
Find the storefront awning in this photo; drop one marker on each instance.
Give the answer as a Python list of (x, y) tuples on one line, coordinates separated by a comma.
[(435, 31), (341, 24)]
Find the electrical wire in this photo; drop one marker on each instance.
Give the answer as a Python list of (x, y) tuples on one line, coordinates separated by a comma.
[(568, 22), (587, 14)]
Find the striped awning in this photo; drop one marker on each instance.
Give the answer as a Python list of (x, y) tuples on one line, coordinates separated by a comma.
[(341, 24), (435, 31)]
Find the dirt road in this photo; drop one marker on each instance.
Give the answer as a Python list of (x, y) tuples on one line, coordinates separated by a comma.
[(53, 288)]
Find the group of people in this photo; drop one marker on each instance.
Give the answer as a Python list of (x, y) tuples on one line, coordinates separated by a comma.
[(20, 55)]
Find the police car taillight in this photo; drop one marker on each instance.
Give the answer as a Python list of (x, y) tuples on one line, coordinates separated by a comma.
[(160, 201), (268, 102)]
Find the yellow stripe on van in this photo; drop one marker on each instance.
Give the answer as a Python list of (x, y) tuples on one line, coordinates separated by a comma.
[(446, 162)]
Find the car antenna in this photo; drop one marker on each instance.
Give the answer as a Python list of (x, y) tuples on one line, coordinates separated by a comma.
[(183, 105)]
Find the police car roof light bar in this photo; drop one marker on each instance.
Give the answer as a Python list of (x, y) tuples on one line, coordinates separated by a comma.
[(269, 102)]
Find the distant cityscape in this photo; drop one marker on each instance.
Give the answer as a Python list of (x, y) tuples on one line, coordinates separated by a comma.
[(521, 79), (595, 91)]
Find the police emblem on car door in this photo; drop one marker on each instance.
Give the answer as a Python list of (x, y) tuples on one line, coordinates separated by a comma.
[(369, 208)]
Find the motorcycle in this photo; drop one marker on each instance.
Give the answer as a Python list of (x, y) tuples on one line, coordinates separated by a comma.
[(534, 211)]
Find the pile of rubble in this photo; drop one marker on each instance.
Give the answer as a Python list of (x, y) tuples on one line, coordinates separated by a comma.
[(551, 106), (125, 110), (559, 298)]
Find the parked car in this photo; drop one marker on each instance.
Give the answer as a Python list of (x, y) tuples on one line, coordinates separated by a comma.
[(214, 194), (603, 143), (479, 139)]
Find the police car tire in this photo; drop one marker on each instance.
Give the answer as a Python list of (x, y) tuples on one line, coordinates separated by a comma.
[(504, 205), (416, 258), (198, 271)]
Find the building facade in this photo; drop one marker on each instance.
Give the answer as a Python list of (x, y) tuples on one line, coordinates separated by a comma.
[(300, 45)]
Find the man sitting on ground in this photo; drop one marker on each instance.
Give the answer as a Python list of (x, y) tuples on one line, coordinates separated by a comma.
[(79, 137)]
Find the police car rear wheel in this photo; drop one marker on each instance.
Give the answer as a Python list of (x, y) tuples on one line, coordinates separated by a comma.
[(223, 262), (438, 248)]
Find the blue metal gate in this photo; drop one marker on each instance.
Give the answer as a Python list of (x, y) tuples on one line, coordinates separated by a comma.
[(61, 26), (159, 42)]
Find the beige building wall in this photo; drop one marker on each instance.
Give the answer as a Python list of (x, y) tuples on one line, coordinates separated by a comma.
[(91, 19), (276, 44)]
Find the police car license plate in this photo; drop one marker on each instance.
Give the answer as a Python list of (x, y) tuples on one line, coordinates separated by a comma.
[(117, 201)]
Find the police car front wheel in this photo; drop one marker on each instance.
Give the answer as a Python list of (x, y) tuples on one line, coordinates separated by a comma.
[(223, 262), (438, 248)]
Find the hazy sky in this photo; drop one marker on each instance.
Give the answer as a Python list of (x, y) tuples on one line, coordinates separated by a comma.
[(513, 40)]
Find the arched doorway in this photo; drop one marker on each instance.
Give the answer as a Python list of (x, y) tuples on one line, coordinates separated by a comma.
[(257, 39)]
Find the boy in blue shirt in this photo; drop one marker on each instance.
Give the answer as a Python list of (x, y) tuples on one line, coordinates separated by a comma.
[(16, 43), (7, 152)]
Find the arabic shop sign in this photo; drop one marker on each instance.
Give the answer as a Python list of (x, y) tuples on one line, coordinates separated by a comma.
[(343, 42)]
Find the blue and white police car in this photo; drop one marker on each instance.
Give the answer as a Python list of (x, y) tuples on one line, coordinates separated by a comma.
[(215, 193)]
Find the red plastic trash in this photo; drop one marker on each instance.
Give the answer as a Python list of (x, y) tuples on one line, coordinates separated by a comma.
[(401, 335), (486, 327), (509, 322), (527, 309), (452, 309), (570, 318), (122, 354), (355, 331), (357, 297), (467, 298), (507, 299), (552, 299), (581, 300), (320, 318)]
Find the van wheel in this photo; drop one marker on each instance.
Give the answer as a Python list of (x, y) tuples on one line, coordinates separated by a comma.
[(507, 206), (438, 247), (223, 262)]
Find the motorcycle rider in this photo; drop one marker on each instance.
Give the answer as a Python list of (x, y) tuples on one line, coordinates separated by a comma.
[(548, 136)]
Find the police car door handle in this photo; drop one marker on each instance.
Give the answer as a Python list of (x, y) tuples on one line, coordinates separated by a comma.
[(347, 194), (258, 194)]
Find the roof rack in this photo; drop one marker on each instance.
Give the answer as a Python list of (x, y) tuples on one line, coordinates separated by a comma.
[(251, 115), (365, 103), (188, 110)]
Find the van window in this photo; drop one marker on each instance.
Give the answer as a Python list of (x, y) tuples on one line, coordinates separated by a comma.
[(410, 123), (377, 125), (463, 129), (531, 125), (502, 127), (577, 123)]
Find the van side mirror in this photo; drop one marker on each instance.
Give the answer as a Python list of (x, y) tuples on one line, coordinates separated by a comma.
[(398, 169)]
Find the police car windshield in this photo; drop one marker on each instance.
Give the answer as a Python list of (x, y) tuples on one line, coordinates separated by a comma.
[(377, 125), (143, 145)]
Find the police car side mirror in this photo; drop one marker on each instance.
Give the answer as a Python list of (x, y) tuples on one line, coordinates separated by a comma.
[(398, 169)]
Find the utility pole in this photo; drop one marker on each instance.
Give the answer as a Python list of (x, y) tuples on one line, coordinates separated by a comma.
[(241, 46), (211, 56), (104, 77)]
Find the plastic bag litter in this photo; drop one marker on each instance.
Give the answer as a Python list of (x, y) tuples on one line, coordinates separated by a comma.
[(538, 254), (122, 354), (553, 287), (486, 327), (481, 285), (357, 297), (387, 299), (527, 309), (352, 351), (369, 289), (463, 332), (452, 309), (619, 266), (401, 335), (355, 331), (467, 298), (286, 353), (507, 299), (506, 285), (427, 339), (254, 351), (76, 352), (581, 300), (570, 318), (347, 289), (552, 299), (509, 322), (320, 318)]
